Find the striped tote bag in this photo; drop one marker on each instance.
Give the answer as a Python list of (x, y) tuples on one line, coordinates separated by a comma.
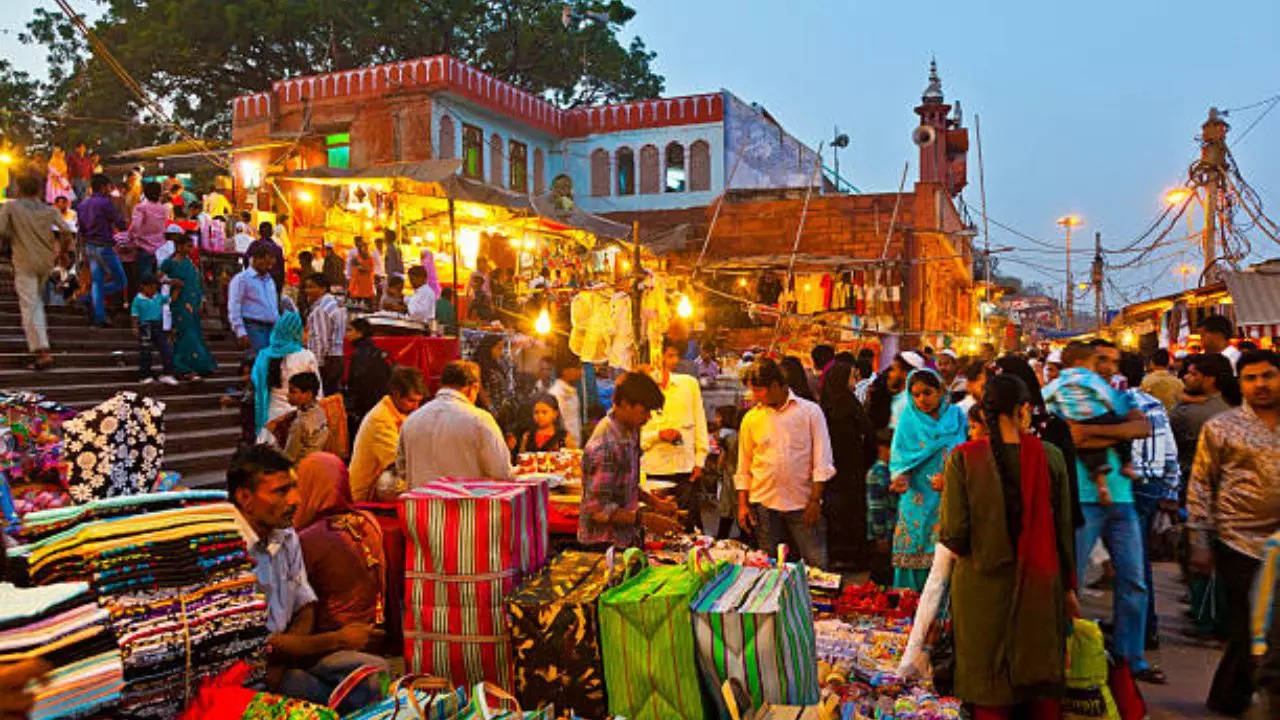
[(756, 625), (646, 639)]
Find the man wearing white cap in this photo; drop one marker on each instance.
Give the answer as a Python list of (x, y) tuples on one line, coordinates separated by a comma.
[(1052, 366), (949, 368), (242, 239)]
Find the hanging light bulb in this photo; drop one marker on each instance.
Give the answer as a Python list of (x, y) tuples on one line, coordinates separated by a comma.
[(543, 324), (684, 308), (742, 282)]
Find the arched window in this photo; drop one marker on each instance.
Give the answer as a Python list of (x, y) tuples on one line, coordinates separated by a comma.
[(600, 172), (518, 166), (626, 171), (539, 172), (700, 166), (675, 175), (448, 144), (495, 160), (650, 171)]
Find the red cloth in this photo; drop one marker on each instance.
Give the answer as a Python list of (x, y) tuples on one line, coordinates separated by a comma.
[(393, 543), (80, 166), (428, 354)]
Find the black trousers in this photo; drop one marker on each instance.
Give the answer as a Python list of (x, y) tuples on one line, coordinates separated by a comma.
[(1233, 685), (331, 369), (688, 497)]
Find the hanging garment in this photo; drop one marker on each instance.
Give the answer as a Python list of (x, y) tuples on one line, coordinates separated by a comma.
[(828, 290), (655, 317), (623, 338), (115, 448)]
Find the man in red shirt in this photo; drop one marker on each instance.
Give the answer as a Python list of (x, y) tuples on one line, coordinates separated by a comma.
[(80, 168)]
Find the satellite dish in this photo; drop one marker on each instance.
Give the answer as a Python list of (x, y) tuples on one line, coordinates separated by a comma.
[(924, 136)]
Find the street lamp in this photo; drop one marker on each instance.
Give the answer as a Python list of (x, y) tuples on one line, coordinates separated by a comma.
[(1177, 196), (1068, 222)]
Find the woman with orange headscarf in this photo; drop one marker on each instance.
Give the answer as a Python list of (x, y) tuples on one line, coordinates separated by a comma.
[(342, 546)]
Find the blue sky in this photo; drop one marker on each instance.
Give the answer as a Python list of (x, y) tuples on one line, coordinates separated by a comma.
[(1088, 107)]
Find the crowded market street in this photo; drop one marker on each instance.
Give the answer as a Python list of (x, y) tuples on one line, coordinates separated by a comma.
[(541, 361)]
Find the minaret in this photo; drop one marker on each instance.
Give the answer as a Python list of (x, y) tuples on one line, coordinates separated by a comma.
[(933, 113)]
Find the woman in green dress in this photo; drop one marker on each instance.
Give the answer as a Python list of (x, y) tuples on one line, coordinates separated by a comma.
[(1006, 514), (191, 357)]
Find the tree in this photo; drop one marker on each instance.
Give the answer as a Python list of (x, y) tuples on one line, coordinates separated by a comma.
[(194, 56), (20, 121)]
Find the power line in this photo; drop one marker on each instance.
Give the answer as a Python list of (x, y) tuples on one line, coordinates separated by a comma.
[(1274, 101)]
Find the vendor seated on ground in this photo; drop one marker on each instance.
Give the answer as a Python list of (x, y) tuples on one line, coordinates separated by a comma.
[(393, 298), (303, 663)]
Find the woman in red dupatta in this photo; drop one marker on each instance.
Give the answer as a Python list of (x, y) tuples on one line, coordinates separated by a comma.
[(342, 546), (1006, 512)]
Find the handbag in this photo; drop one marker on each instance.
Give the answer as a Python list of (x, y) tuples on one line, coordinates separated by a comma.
[(940, 642)]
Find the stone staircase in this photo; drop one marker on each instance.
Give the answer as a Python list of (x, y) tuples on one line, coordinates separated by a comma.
[(93, 364)]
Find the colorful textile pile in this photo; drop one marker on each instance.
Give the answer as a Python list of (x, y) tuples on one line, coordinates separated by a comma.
[(62, 624), (177, 583), (115, 448), (555, 634), (470, 543), (32, 474), (224, 697), (756, 625), (42, 524)]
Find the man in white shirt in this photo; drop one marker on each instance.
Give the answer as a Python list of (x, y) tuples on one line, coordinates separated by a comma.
[(422, 303), (450, 436), (784, 460), (565, 390), (674, 441), (242, 239)]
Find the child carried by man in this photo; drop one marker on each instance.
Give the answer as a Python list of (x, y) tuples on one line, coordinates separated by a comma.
[(1079, 394)]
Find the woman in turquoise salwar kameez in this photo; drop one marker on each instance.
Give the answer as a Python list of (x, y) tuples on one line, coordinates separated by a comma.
[(191, 357), (930, 426)]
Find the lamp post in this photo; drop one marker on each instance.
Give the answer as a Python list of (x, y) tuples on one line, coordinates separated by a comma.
[(1068, 222)]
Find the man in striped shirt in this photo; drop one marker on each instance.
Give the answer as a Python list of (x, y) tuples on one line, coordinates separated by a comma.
[(326, 328)]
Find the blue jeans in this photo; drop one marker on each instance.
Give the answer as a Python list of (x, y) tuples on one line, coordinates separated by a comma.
[(1147, 506), (1117, 524), (103, 259), (80, 187), (259, 336), (788, 527), (317, 682)]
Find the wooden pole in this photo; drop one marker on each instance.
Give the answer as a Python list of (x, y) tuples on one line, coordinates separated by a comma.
[(457, 297), (637, 273)]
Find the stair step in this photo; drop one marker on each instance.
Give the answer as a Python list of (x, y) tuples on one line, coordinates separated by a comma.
[(200, 462), (105, 374), (206, 400), (205, 480), (94, 393), (99, 359), (202, 439), (200, 420), (89, 341)]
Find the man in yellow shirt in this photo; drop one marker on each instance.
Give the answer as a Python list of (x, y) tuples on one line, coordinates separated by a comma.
[(379, 433)]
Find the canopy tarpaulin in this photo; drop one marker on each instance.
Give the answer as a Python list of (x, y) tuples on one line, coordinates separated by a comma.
[(1256, 296), (422, 171)]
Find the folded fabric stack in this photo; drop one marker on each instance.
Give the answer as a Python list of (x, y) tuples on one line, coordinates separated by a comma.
[(62, 624), (470, 543), (177, 584), (45, 523)]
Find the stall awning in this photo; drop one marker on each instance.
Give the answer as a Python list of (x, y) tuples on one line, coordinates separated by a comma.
[(423, 171), (1256, 296)]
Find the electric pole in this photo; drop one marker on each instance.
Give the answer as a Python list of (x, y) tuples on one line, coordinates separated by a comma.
[(1097, 280), (1209, 172)]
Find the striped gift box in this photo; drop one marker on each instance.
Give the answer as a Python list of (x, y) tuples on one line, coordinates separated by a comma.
[(469, 544), (756, 625)]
